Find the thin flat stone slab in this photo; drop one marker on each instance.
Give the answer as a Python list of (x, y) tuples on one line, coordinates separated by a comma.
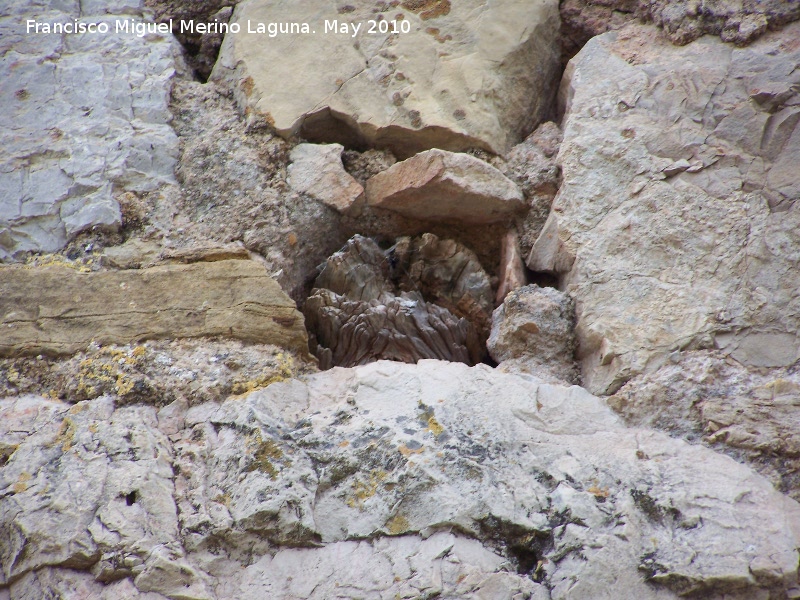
[(56, 310), (437, 185)]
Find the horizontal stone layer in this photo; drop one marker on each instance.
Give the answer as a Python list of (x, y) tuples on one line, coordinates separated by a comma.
[(56, 310)]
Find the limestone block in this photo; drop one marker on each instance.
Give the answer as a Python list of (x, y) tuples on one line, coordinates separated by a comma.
[(677, 226), (437, 185), (91, 120), (456, 75)]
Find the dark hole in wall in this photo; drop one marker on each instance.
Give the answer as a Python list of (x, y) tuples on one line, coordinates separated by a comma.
[(130, 499), (529, 561), (200, 50), (542, 279)]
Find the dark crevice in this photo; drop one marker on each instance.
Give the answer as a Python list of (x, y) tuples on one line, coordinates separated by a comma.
[(200, 50), (542, 279)]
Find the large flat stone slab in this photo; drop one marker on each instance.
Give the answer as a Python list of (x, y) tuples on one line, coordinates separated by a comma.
[(456, 75), (57, 310), (437, 185)]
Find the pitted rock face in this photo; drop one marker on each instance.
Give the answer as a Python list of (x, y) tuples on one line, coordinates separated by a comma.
[(427, 479), (677, 223), (534, 329), (456, 75)]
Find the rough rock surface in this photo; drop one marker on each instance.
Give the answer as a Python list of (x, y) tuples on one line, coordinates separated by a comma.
[(81, 127), (57, 310), (437, 185), (382, 481), (467, 74), (677, 223), (423, 298), (533, 330), (156, 372), (532, 165), (233, 188), (748, 412), (683, 21), (317, 170)]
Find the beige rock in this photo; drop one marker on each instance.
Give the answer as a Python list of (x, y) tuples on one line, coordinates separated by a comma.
[(56, 310), (512, 269), (206, 253), (132, 254), (676, 227), (317, 170), (437, 185), (467, 74)]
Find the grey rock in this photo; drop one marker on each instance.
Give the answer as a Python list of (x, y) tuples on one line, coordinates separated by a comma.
[(411, 479), (682, 21), (750, 412), (660, 259), (89, 122), (533, 330)]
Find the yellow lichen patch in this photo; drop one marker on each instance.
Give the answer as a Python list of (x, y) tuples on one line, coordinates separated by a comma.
[(264, 453), (397, 524), (12, 375), (428, 420), (406, 451), (94, 428), (285, 369), (22, 482), (124, 384), (56, 260), (66, 434), (599, 492), (106, 371), (6, 452), (344, 444), (77, 409), (363, 490), (434, 427)]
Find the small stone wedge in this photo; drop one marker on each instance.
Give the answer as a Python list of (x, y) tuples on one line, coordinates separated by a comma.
[(437, 185)]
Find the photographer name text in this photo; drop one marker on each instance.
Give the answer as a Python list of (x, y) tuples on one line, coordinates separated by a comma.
[(271, 29)]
